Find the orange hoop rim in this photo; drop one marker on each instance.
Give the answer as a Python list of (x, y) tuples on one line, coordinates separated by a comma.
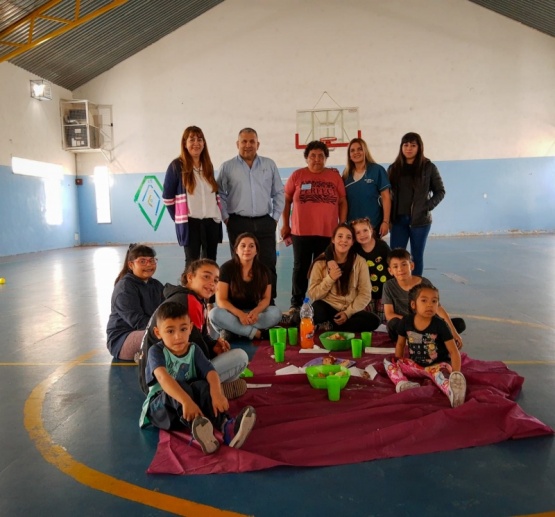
[(328, 139)]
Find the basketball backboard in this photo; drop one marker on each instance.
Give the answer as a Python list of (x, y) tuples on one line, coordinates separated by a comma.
[(334, 126)]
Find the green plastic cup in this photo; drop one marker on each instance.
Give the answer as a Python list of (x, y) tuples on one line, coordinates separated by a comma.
[(366, 338), (293, 334), (273, 336), (356, 348), (333, 383), (281, 335), (246, 373), (279, 352)]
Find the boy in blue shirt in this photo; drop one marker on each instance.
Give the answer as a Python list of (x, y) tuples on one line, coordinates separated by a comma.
[(184, 388)]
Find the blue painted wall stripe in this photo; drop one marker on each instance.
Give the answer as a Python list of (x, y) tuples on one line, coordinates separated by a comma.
[(483, 196)]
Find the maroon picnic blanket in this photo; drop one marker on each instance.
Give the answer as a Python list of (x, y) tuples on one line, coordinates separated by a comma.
[(298, 426)]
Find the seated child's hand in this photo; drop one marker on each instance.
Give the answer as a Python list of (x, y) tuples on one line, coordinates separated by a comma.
[(219, 403), (191, 411), (221, 346)]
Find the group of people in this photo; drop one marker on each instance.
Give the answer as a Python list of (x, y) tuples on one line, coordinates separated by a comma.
[(336, 225)]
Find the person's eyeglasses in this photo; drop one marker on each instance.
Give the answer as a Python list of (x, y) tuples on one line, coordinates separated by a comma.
[(146, 261)]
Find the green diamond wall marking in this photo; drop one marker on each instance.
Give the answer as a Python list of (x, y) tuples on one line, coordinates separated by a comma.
[(149, 199)]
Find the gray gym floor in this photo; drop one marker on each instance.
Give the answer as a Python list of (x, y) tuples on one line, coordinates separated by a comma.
[(70, 437)]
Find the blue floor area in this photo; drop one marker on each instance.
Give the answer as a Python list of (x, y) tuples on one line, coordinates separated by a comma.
[(53, 310)]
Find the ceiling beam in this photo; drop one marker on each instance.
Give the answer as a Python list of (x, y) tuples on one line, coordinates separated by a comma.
[(9, 37)]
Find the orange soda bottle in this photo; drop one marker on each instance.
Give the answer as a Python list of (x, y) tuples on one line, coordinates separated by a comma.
[(307, 325)]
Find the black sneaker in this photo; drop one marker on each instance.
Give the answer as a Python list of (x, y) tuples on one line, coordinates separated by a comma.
[(236, 430), (325, 326), (291, 317), (228, 335), (264, 335)]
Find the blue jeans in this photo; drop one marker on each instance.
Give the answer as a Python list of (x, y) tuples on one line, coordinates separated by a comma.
[(230, 364), (402, 232), (224, 320)]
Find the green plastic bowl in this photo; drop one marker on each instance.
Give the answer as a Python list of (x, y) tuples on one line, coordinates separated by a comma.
[(320, 382), (336, 344)]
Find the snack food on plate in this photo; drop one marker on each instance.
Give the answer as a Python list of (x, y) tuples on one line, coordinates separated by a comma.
[(337, 337), (337, 374), (329, 359)]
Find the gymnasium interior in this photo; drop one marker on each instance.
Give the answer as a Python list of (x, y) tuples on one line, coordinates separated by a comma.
[(95, 98)]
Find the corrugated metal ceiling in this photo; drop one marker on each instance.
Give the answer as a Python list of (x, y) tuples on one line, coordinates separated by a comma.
[(538, 14), (85, 52)]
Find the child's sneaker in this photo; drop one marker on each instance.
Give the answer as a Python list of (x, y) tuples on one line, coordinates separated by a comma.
[(406, 385), (457, 392), (236, 430), (325, 326), (291, 317), (234, 389), (203, 433), (228, 336)]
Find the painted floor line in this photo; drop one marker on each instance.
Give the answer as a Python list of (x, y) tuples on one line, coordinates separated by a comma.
[(110, 363), (529, 362), (509, 321), (61, 459)]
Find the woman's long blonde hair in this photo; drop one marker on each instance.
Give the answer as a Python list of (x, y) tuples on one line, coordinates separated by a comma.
[(350, 168)]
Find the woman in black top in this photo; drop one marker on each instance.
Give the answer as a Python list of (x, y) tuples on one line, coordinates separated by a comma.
[(416, 189), (244, 293)]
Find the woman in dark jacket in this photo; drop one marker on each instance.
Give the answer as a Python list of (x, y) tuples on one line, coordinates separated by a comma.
[(416, 188)]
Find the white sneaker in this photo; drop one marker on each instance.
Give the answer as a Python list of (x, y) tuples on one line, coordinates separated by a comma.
[(203, 433), (406, 385), (457, 385)]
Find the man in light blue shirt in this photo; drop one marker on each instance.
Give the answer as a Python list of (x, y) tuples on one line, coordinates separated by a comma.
[(252, 199)]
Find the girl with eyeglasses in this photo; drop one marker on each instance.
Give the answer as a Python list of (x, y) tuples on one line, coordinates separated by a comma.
[(135, 298)]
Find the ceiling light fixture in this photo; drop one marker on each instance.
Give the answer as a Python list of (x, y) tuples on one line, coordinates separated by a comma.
[(41, 90)]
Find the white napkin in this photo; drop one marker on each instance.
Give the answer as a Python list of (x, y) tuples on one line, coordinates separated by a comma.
[(381, 328), (250, 386), (290, 370), (370, 370), (378, 350), (357, 372), (315, 350)]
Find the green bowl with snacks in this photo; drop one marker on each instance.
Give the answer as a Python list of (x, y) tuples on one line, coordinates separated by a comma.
[(317, 375), (336, 340)]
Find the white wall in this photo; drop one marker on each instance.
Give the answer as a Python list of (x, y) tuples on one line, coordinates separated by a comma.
[(30, 128), (474, 84)]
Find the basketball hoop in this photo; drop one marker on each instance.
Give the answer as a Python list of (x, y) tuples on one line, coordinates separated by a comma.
[(335, 127), (328, 140)]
